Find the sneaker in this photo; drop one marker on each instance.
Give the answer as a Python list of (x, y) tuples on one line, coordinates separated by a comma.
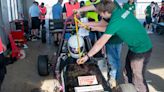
[(149, 32), (112, 83), (34, 39), (25, 46)]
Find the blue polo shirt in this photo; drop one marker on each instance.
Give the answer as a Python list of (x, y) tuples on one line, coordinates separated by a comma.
[(57, 11), (34, 11)]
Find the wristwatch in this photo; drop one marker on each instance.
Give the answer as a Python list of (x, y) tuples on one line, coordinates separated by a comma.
[(88, 56)]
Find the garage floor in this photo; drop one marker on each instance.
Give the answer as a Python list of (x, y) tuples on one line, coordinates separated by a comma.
[(22, 76)]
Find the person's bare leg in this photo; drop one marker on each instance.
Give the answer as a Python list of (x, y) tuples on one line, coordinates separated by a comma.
[(36, 32), (146, 26), (33, 32), (150, 26), (137, 67), (55, 38)]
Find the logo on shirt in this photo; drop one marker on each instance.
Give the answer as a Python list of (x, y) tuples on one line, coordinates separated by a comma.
[(130, 8), (125, 14)]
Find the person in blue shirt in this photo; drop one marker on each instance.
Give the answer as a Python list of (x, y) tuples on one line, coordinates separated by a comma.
[(58, 19), (57, 10), (34, 13)]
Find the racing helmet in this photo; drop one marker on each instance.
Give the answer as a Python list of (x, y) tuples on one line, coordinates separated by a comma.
[(73, 46)]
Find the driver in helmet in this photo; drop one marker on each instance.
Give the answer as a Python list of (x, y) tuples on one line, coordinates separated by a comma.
[(74, 43), (73, 47)]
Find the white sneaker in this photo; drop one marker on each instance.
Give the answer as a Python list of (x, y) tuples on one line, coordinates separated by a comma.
[(34, 39), (25, 46), (149, 32), (112, 83)]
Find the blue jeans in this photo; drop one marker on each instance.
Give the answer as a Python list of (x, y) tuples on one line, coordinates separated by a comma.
[(113, 54)]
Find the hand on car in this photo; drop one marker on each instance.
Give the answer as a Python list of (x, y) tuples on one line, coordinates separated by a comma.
[(82, 60), (76, 11)]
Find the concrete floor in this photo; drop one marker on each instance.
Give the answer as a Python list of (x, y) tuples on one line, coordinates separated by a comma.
[(22, 76)]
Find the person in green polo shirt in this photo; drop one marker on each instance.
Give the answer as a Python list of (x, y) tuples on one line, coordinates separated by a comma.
[(148, 13), (113, 47), (130, 5), (134, 36)]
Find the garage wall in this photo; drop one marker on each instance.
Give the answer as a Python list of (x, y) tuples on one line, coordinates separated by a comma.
[(26, 5), (3, 22), (0, 15), (4, 10), (20, 8)]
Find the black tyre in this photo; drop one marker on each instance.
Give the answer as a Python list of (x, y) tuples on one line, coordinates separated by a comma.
[(43, 69), (43, 35)]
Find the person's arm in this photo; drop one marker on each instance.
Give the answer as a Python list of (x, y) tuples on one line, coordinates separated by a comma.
[(64, 15), (4, 47), (97, 28), (145, 12), (39, 11), (101, 23), (96, 48), (46, 11), (94, 28), (86, 8), (29, 13), (64, 12)]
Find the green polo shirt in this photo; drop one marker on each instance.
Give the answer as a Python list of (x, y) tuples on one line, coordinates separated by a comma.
[(130, 7), (116, 3), (115, 40), (148, 11), (129, 29)]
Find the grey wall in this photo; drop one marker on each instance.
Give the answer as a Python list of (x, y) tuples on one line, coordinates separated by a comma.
[(0, 15), (20, 8), (26, 5), (3, 22), (5, 13)]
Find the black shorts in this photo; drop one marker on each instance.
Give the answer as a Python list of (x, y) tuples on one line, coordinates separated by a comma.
[(35, 23), (58, 24), (148, 20)]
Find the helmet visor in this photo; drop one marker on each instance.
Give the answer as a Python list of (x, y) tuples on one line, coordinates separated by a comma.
[(75, 50)]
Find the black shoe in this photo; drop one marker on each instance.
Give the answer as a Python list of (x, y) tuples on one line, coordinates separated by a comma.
[(56, 43)]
